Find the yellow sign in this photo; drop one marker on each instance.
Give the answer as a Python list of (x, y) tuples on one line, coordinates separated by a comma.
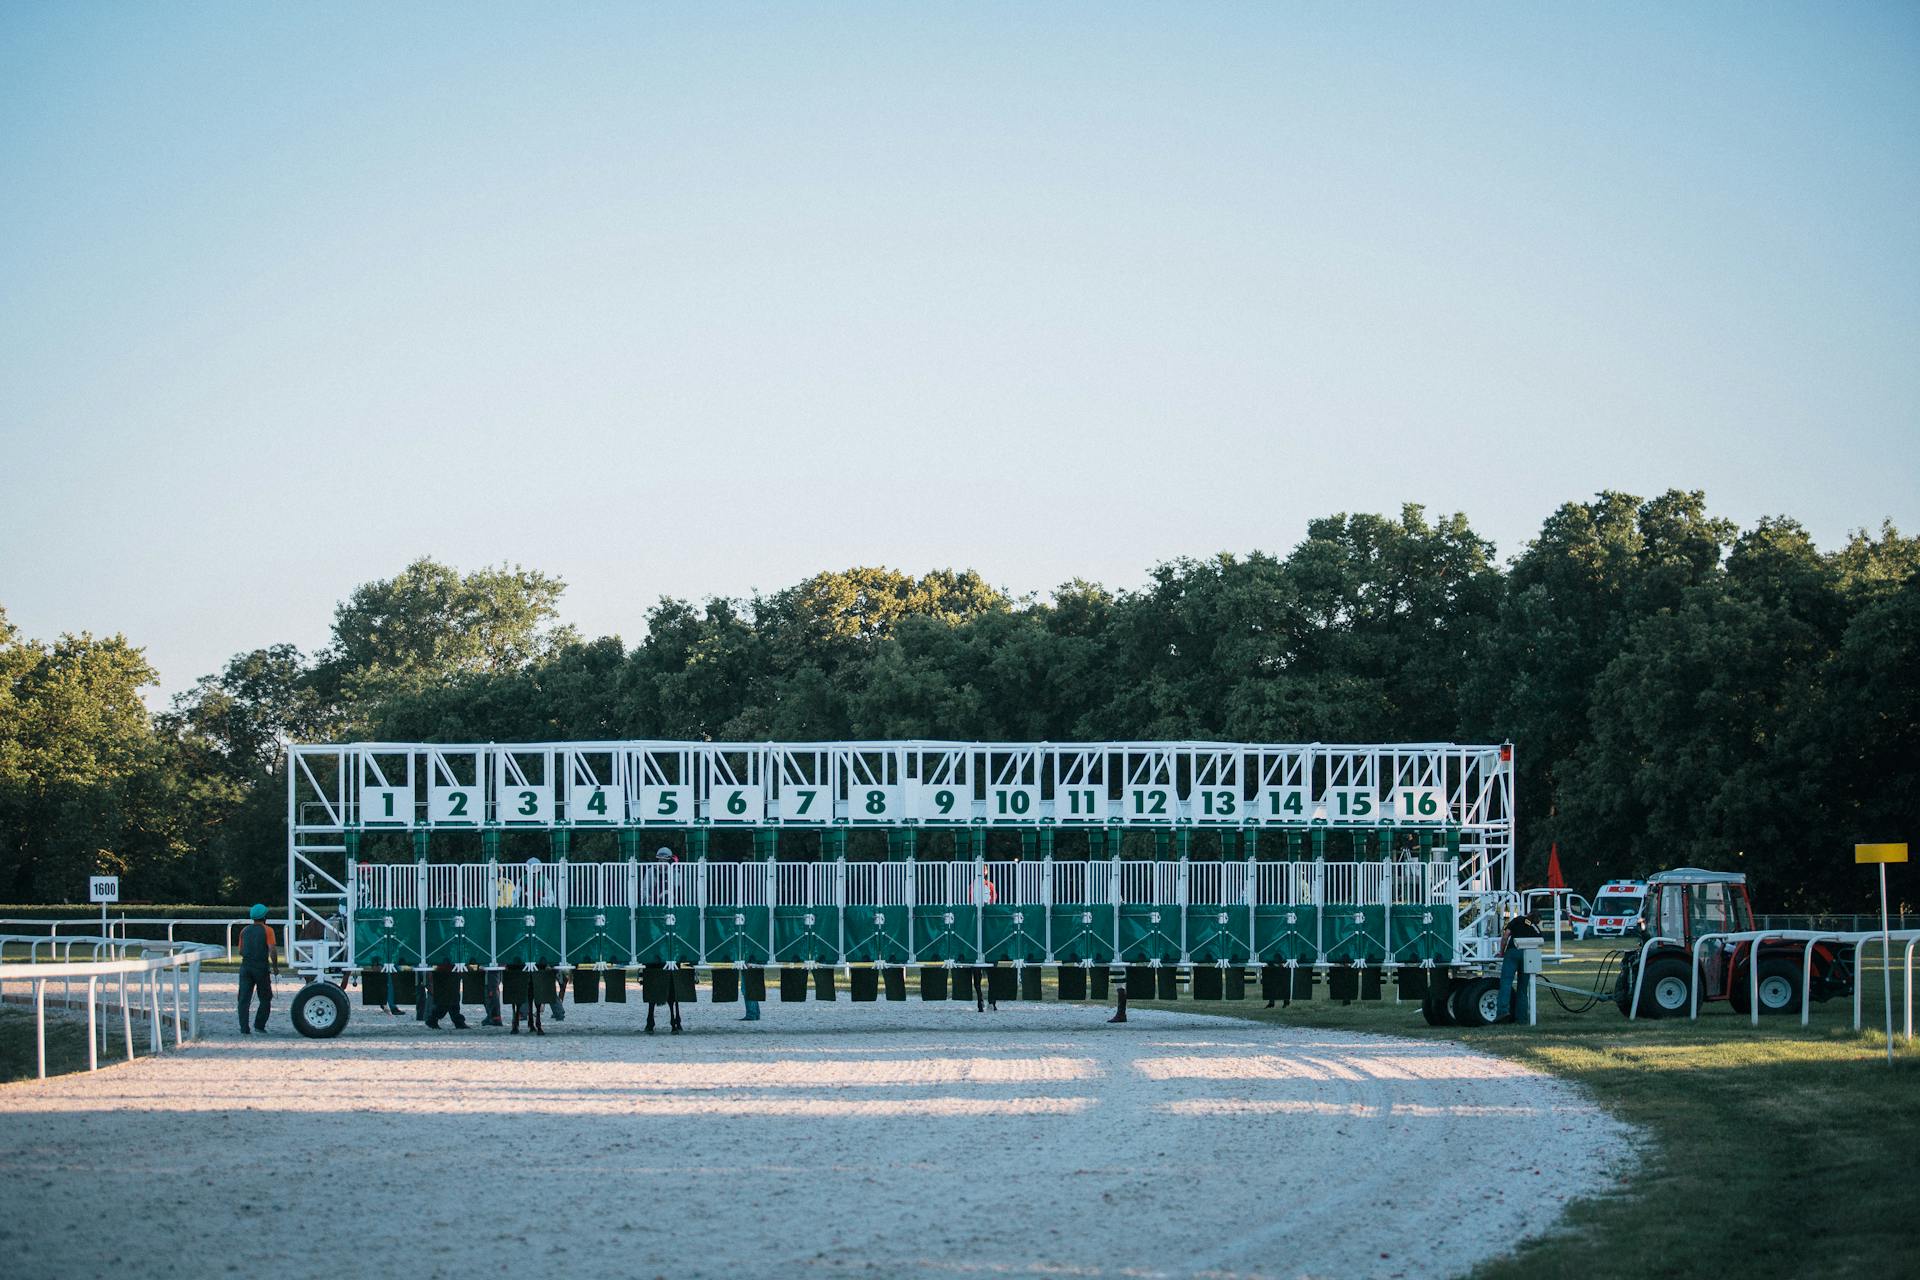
[(1880, 853)]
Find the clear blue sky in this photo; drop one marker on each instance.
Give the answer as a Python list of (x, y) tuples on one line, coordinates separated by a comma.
[(700, 299)]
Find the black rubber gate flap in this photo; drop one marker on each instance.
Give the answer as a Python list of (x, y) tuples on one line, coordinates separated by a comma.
[(373, 987), (1097, 982), (896, 984), (1370, 983), (1413, 983), (1343, 983), (793, 984), (823, 984), (1002, 984), (756, 983), (1208, 982), (1139, 982), (473, 987), (1273, 982), (933, 982), (1303, 983), (615, 983), (445, 987), (654, 984), (863, 984), (1169, 980), (1030, 987), (726, 985), (513, 985), (546, 986), (1236, 984), (1073, 982), (960, 984), (685, 989), (586, 986)]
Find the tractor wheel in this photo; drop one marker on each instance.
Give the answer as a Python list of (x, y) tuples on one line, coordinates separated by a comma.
[(320, 1011), (1436, 1006), (1666, 989), (1476, 1002), (1779, 987)]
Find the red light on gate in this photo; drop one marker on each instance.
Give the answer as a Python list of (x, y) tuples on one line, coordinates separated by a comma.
[(1506, 752)]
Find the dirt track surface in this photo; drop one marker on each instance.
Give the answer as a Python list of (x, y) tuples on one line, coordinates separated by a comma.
[(828, 1139)]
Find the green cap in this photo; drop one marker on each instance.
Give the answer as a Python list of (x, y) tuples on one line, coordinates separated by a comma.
[(259, 911)]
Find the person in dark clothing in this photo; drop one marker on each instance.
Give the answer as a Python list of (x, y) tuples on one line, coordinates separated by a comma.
[(445, 991), (256, 968), (1512, 1005)]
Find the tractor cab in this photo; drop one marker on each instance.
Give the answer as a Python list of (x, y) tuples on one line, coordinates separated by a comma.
[(1688, 903)]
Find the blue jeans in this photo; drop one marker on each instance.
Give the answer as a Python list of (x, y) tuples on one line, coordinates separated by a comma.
[(1513, 987), (753, 1011)]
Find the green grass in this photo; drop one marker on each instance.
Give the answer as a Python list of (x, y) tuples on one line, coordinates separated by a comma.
[(1774, 1152), (66, 1043)]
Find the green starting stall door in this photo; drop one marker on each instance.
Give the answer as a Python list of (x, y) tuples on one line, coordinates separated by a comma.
[(1355, 917), (666, 913), (527, 917), (806, 923), (1286, 925), (1083, 913), (1149, 912), (599, 913), (874, 925), (1219, 919), (1013, 919), (945, 920), (739, 922), (386, 921)]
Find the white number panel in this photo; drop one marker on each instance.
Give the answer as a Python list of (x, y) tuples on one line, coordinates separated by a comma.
[(386, 807), (1013, 804), (1419, 805), (939, 803), (809, 804), (1077, 804), (455, 806), (871, 804), (737, 804), (1351, 804), (1284, 804), (1218, 806), (666, 806), (596, 806), (1148, 804), (526, 806)]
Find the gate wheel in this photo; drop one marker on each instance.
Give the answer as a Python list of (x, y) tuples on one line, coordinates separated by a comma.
[(1435, 1006), (320, 1011), (1476, 1002)]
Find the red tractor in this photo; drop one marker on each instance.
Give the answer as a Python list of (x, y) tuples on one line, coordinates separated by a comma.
[(1688, 904)]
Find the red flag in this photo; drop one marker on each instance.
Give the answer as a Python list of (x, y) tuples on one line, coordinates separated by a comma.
[(1554, 879)]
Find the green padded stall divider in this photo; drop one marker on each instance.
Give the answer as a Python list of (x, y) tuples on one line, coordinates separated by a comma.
[(1413, 983), (1370, 983), (546, 985), (737, 933), (1234, 987), (655, 985), (1343, 983), (1168, 980), (1098, 980), (1273, 983), (1013, 931), (1218, 932), (387, 936), (457, 935), (933, 983), (528, 934), (806, 933), (373, 988), (823, 988), (586, 986), (1209, 983), (513, 986), (1082, 931), (1286, 931), (876, 933), (896, 984), (599, 935), (754, 982), (1303, 983), (1355, 931), (944, 932), (1422, 933), (1139, 982), (1149, 932), (473, 987), (1002, 984), (1073, 982), (863, 984), (1030, 982), (444, 987), (960, 984), (726, 985), (686, 984), (793, 984), (614, 986)]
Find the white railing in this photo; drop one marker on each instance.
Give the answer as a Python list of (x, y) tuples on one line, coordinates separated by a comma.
[(163, 971)]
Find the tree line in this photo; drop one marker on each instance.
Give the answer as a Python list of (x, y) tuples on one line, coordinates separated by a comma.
[(1678, 690)]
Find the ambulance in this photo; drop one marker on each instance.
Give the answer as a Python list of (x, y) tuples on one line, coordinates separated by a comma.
[(1619, 909)]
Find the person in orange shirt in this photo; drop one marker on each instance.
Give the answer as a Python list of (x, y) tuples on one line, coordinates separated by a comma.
[(257, 944)]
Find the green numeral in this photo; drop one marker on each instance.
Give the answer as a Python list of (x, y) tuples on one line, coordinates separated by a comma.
[(529, 804), (458, 809), (669, 804), (388, 797), (1012, 801), (876, 802), (597, 803), (806, 801), (945, 801), (737, 803)]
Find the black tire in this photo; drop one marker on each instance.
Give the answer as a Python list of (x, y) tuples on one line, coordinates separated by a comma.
[(1475, 1002), (1779, 987), (1436, 1006), (320, 1011), (1667, 989)]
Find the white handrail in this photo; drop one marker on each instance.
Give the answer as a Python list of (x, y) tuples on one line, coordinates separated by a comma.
[(1640, 972), (158, 960)]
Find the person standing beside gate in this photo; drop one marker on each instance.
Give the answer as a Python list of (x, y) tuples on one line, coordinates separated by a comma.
[(256, 967), (1512, 1006)]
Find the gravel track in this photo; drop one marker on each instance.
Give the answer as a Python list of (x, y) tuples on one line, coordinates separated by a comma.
[(828, 1139)]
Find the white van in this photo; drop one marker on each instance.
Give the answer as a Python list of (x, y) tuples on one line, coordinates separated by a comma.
[(1619, 909)]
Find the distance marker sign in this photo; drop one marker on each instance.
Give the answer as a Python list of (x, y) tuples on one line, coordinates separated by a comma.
[(1879, 853)]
